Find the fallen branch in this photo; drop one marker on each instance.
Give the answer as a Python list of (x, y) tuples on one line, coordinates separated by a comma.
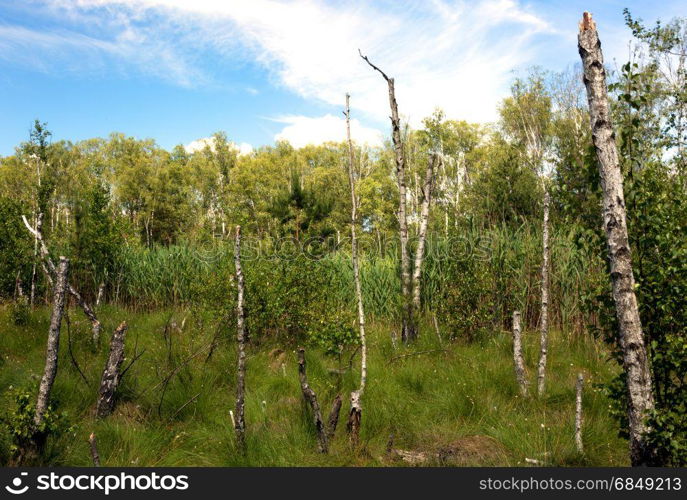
[(184, 406), (131, 363), (71, 353)]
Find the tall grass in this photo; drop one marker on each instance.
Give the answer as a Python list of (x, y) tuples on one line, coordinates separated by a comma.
[(425, 400), (510, 257)]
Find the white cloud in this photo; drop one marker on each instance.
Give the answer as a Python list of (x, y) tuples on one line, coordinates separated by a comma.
[(454, 54), (200, 144), (303, 130)]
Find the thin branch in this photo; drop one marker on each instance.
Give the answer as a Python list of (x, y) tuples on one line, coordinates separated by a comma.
[(365, 58)]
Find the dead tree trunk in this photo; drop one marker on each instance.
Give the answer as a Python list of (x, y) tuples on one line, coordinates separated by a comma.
[(39, 224), (355, 415), (422, 233), (111, 373), (544, 320), (53, 342), (95, 456), (240, 422), (88, 311), (333, 419), (640, 396), (518, 359), (101, 290), (19, 288), (578, 413), (311, 398), (408, 327)]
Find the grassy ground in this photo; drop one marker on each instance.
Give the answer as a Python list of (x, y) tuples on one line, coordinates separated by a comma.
[(427, 401)]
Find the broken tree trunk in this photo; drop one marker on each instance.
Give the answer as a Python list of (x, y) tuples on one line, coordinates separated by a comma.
[(422, 234), (39, 223), (333, 419), (640, 396), (355, 415), (240, 422), (18, 287), (88, 311), (311, 398), (518, 358), (101, 290), (408, 328), (544, 319), (95, 456), (53, 342), (578, 413), (111, 373)]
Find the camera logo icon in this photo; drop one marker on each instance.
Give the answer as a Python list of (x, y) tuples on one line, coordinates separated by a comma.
[(16, 488)]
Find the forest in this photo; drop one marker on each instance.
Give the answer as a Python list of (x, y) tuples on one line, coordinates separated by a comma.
[(502, 294)]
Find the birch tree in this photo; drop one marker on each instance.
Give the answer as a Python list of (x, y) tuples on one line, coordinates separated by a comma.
[(355, 415), (51, 356), (544, 317), (527, 117), (578, 413), (240, 422), (427, 189), (635, 363), (518, 358)]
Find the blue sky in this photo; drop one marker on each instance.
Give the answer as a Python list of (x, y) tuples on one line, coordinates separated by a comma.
[(179, 70)]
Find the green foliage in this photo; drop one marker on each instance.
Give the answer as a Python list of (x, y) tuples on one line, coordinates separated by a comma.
[(20, 426), (505, 188), (96, 242), (15, 247), (20, 311), (301, 210), (334, 333)]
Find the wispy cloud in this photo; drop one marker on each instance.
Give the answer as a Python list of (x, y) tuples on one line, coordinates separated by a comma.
[(453, 54), (68, 51)]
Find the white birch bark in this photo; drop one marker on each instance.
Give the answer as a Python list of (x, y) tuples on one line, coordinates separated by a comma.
[(635, 363), (544, 319), (111, 374), (518, 358), (240, 422), (355, 415), (51, 356), (422, 232), (578, 413)]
